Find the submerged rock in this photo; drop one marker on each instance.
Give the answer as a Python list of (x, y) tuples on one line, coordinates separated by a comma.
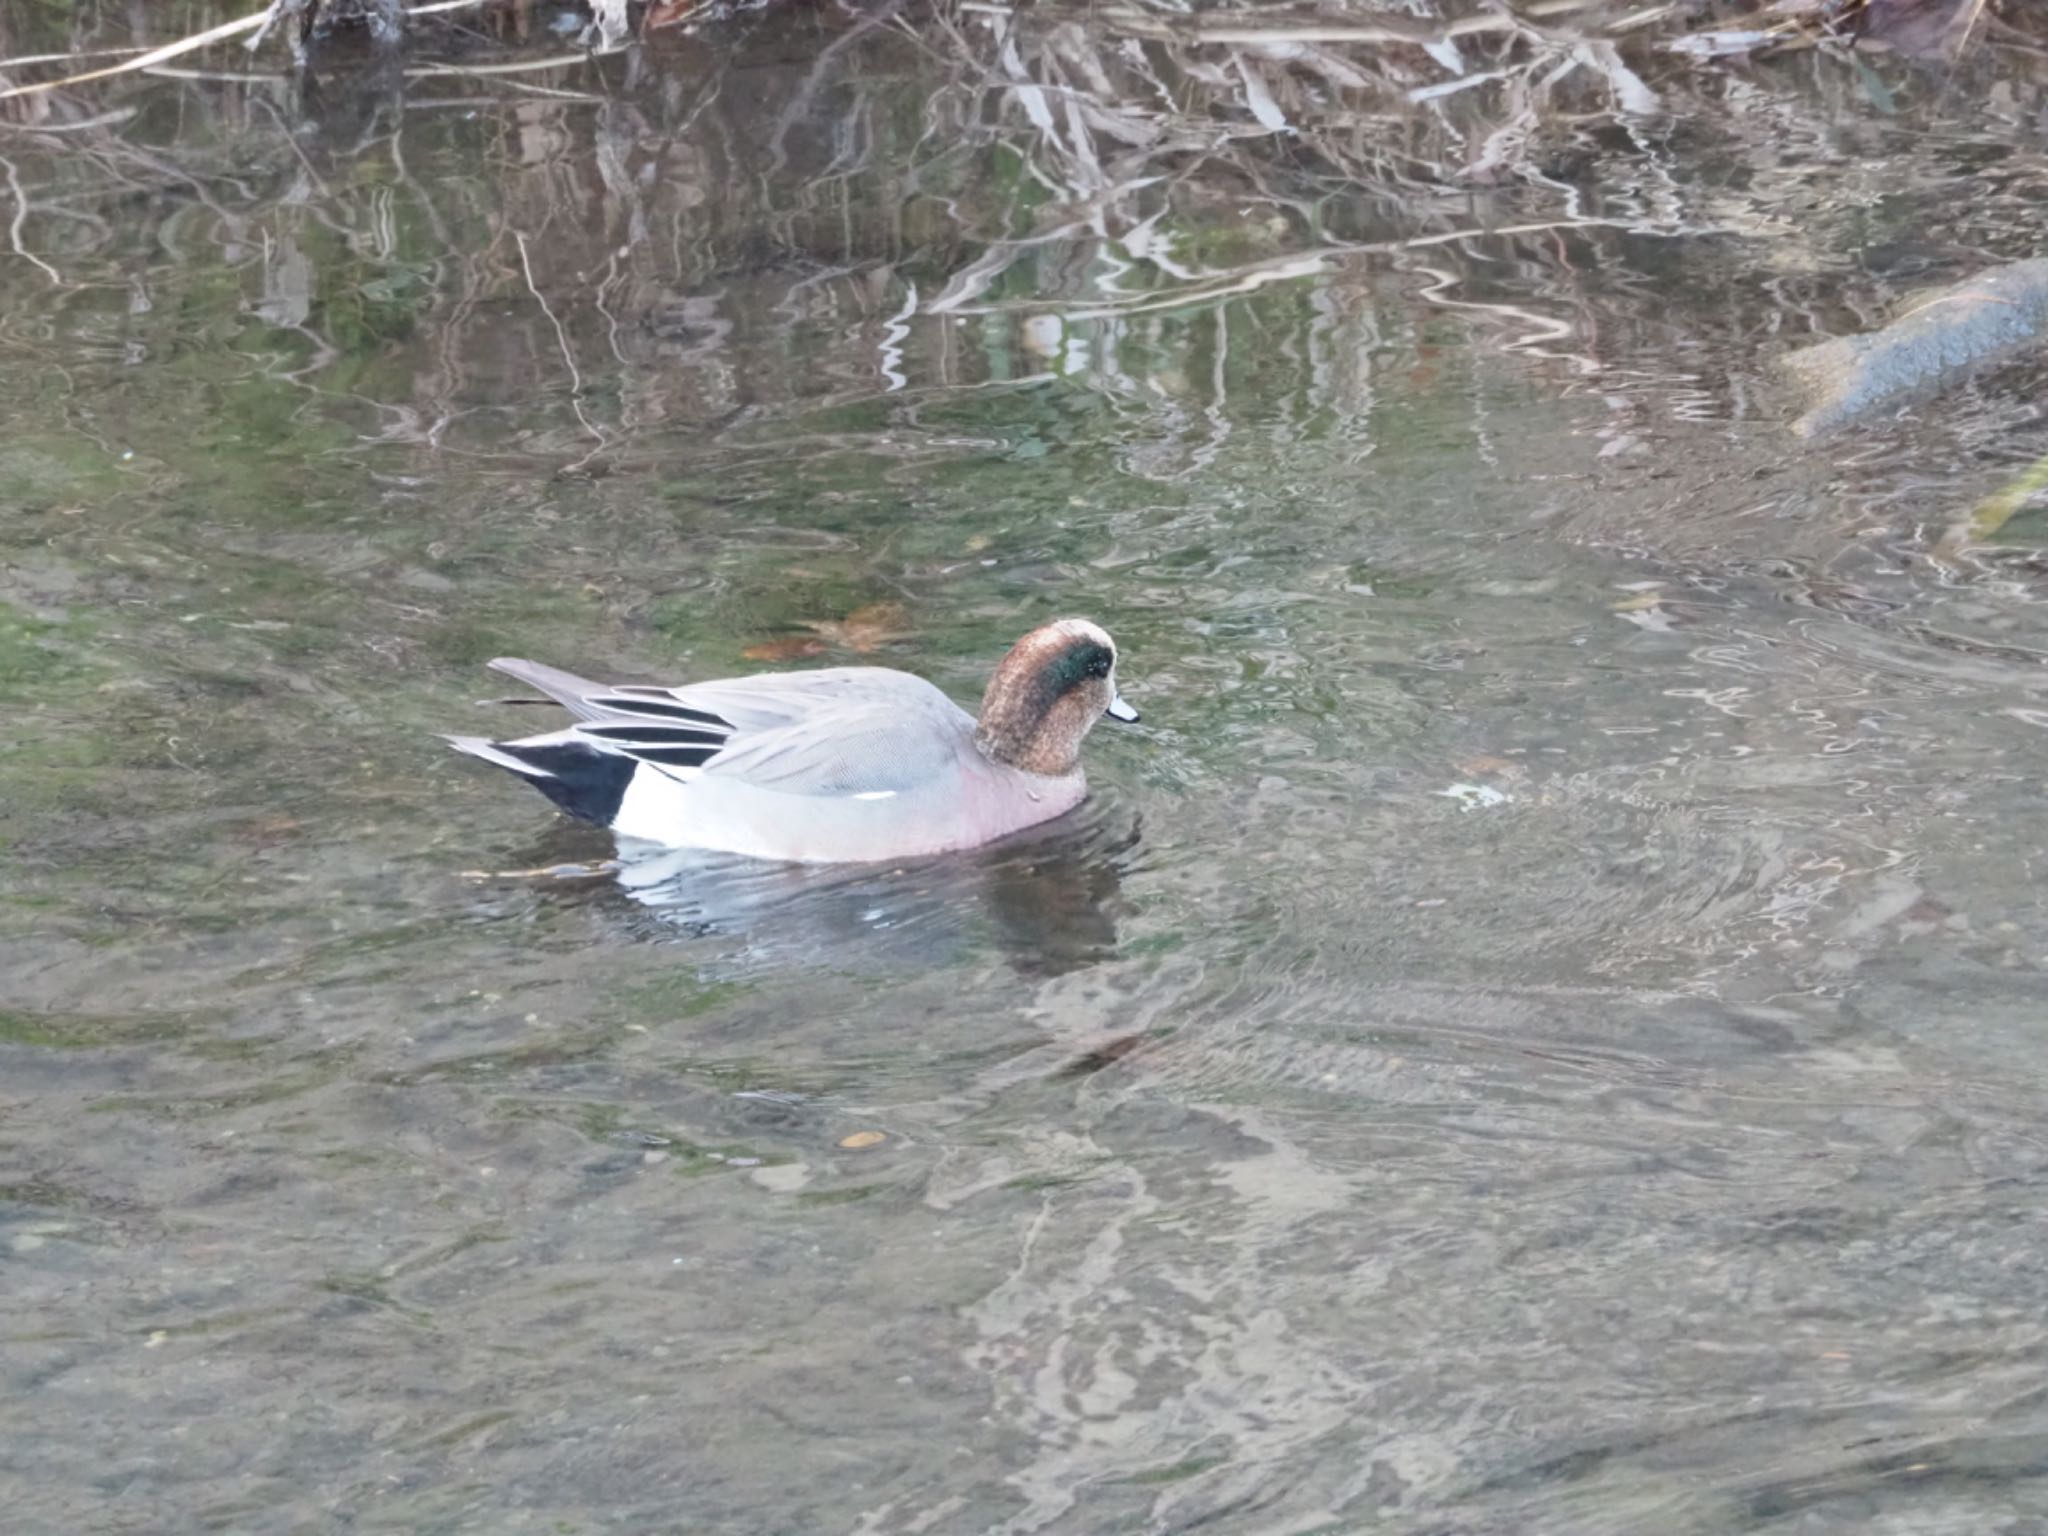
[(1941, 337)]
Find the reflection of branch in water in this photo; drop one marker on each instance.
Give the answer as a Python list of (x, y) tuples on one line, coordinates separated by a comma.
[(111, 119), (20, 218), (143, 60), (922, 158), (1204, 287), (1216, 413), (800, 101), (1541, 328), (596, 869), (562, 337), (896, 328), (499, 72)]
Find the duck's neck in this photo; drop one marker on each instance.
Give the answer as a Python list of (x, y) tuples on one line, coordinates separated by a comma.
[(1023, 729)]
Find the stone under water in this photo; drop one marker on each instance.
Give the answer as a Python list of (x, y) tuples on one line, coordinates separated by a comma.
[(1941, 338)]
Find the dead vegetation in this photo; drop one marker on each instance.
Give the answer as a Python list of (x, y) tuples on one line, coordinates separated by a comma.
[(638, 186), (1527, 42)]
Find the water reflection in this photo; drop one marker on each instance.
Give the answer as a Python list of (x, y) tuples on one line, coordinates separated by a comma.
[(1048, 899)]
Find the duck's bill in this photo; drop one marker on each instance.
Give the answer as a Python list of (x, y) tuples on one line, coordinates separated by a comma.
[(1119, 710)]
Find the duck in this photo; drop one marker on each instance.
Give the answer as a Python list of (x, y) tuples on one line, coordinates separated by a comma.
[(825, 766)]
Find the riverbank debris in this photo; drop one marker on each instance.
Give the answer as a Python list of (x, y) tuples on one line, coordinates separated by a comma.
[(1941, 339)]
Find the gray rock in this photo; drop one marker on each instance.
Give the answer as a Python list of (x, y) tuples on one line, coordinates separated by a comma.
[(1941, 337)]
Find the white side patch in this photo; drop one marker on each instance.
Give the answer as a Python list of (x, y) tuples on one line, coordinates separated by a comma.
[(875, 794), (654, 807)]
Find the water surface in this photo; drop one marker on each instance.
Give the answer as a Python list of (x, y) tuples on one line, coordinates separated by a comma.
[(1540, 1030)]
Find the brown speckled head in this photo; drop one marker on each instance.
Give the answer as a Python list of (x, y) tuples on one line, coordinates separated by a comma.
[(1052, 687)]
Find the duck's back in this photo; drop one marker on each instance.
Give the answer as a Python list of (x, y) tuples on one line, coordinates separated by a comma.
[(835, 732)]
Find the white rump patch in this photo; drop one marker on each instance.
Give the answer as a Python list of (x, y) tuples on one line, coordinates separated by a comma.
[(654, 807)]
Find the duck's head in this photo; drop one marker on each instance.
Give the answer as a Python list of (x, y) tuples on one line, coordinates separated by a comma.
[(1047, 693)]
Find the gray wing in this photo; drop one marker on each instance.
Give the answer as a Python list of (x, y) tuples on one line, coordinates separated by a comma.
[(833, 731), (858, 747), (775, 700), (739, 703)]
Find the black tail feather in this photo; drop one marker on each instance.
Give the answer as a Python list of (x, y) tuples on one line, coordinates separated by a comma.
[(583, 781)]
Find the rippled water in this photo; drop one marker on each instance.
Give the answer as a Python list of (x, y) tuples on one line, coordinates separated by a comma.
[(1541, 1030)]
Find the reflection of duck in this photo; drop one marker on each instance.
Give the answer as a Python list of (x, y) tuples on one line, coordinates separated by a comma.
[(1047, 897), (1053, 895), (839, 765)]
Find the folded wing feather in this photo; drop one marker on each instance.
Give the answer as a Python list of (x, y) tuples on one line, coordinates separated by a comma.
[(869, 731)]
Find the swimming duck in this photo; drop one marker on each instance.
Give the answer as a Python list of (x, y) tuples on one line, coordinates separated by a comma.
[(840, 764)]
